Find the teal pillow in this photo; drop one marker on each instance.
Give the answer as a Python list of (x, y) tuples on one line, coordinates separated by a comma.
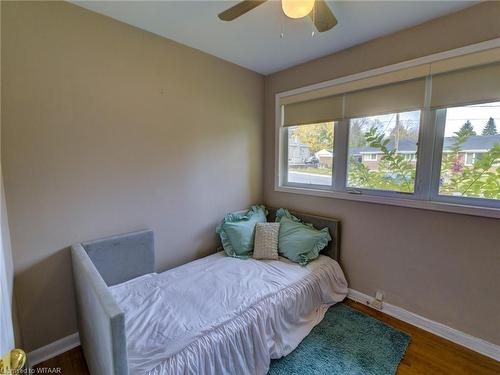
[(237, 231), (300, 242)]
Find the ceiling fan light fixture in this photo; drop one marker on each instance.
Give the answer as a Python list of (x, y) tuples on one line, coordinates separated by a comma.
[(297, 8)]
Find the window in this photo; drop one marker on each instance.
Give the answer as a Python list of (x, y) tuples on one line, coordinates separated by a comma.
[(422, 137), (390, 137), (471, 157), (369, 157), (471, 152), (410, 156), (310, 154)]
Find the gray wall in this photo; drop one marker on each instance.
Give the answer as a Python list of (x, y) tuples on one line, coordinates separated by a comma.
[(108, 129), (442, 266)]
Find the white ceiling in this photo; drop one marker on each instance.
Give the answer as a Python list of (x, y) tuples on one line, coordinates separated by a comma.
[(254, 41)]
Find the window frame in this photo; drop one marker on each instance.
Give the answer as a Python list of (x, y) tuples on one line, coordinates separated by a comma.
[(370, 158), (285, 181), (473, 157), (412, 156), (428, 157), (472, 202), (389, 193)]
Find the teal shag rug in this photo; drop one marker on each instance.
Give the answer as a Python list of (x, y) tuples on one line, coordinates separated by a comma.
[(346, 342)]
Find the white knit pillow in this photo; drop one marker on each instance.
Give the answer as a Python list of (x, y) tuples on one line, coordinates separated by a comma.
[(266, 241)]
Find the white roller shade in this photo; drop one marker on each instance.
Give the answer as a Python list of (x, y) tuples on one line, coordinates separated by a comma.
[(466, 61), (466, 86), (398, 97), (360, 84), (313, 111), (459, 80)]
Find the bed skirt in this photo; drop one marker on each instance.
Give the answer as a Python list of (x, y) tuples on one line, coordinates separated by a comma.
[(269, 329)]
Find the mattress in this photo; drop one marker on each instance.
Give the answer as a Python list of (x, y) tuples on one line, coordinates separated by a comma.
[(222, 315)]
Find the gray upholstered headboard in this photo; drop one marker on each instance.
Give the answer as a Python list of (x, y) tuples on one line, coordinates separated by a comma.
[(122, 257), (319, 222)]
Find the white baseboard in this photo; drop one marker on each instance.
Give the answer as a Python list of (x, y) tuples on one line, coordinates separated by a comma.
[(473, 343), (53, 349)]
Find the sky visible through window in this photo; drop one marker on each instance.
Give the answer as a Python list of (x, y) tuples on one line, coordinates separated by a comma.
[(388, 122), (478, 115)]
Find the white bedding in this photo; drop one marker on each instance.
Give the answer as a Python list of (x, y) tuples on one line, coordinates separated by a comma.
[(222, 315)]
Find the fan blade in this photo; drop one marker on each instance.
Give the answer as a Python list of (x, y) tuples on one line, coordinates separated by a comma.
[(322, 16), (240, 9)]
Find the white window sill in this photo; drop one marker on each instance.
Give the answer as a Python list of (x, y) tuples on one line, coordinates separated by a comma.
[(412, 203)]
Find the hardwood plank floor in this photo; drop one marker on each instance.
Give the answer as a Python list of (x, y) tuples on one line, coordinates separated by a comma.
[(71, 362), (431, 354), (426, 354)]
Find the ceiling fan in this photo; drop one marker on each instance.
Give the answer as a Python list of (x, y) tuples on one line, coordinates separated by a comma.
[(317, 10)]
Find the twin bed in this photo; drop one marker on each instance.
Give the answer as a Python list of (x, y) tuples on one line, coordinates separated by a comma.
[(215, 315)]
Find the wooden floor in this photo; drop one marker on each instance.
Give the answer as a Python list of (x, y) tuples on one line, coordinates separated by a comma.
[(426, 354), (431, 354)]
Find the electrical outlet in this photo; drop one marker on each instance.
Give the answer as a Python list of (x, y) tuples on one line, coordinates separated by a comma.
[(377, 302)]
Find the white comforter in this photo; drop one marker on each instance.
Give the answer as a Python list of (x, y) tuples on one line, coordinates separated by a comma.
[(221, 315)]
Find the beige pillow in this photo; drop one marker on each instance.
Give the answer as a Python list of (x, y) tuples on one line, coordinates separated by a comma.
[(266, 241)]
